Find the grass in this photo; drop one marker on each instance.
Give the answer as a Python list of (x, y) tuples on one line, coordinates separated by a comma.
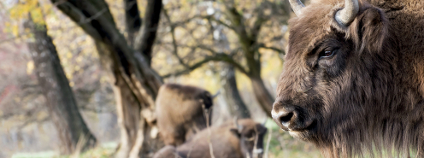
[(103, 151), (46, 154), (281, 145), (284, 145)]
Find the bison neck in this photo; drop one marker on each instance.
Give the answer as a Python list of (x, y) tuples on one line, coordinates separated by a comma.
[(407, 24), (399, 124)]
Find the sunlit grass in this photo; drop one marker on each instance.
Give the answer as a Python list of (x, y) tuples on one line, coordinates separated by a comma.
[(284, 145), (105, 150), (46, 154), (281, 145)]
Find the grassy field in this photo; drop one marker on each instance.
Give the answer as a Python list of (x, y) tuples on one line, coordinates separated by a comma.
[(104, 151), (280, 144)]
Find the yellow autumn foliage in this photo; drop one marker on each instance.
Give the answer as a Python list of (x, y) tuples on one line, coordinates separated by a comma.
[(30, 67)]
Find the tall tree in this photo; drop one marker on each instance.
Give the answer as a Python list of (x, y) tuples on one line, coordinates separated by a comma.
[(60, 100), (231, 93), (245, 56), (135, 83)]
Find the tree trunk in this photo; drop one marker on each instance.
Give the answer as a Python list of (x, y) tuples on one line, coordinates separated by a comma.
[(135, 126), (71, 128), (128, 112), (232, 96), (132, 20), (262, 95), (135, 83), (144, 40), (248, 39)]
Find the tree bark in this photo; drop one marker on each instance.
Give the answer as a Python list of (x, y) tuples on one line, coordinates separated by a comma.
[(135, 83), (262, 95), (145, 39), (232, 96), (128, 112), (133, 20), (134, 127), (248, 39), (60, 101)]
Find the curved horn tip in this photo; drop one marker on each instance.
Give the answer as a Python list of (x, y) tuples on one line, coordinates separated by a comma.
[(216, 94), (346, 15), (239, 128), (297, 6)]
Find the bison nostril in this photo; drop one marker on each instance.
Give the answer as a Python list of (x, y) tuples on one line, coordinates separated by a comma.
[(286, 118)]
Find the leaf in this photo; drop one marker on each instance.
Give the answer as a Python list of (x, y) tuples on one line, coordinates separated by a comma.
[(37, 16), (15, 30), (69, 55), (42, 114), (30, 67)]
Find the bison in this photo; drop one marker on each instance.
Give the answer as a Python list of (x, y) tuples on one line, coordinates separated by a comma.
[(353, 77), (180, 112), (238, 139)]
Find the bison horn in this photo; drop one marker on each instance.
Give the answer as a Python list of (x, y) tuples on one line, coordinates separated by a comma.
[(296, 5), (217, 93), (239, 128), (348, 13)]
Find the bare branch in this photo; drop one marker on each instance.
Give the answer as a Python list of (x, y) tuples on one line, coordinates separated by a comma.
[(279, 51), (95, 16), (101, 110), (211, 17), (28, 113), (32, 120), (133, 20), (14, 37), (103, 29), (174, 41), (145, 39), (267, 142), (260, 19), (207, 17), (218, 57)]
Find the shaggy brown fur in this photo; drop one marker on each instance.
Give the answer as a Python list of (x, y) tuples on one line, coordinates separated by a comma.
[(368, 97), (179, 112), (228, 141)]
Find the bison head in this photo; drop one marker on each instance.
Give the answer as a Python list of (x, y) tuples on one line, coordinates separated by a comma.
[(251, 136), (338, 79)]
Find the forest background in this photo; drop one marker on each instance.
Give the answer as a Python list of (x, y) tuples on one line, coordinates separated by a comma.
[(99, 61)]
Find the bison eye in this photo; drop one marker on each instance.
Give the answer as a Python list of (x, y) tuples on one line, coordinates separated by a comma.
[(326, 53)]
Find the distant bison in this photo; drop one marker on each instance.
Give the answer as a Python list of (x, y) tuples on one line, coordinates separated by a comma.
[(180, 113), (353, 77), (243, 139)]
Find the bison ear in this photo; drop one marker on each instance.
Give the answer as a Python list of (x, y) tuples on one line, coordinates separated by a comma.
[(369, 30), (207, 99), (236, 132)]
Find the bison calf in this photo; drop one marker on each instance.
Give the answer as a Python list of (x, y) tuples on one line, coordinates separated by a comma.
[(230, 140), (180, 112)]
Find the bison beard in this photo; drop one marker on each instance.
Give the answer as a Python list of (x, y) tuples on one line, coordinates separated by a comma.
[(357, 87)]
